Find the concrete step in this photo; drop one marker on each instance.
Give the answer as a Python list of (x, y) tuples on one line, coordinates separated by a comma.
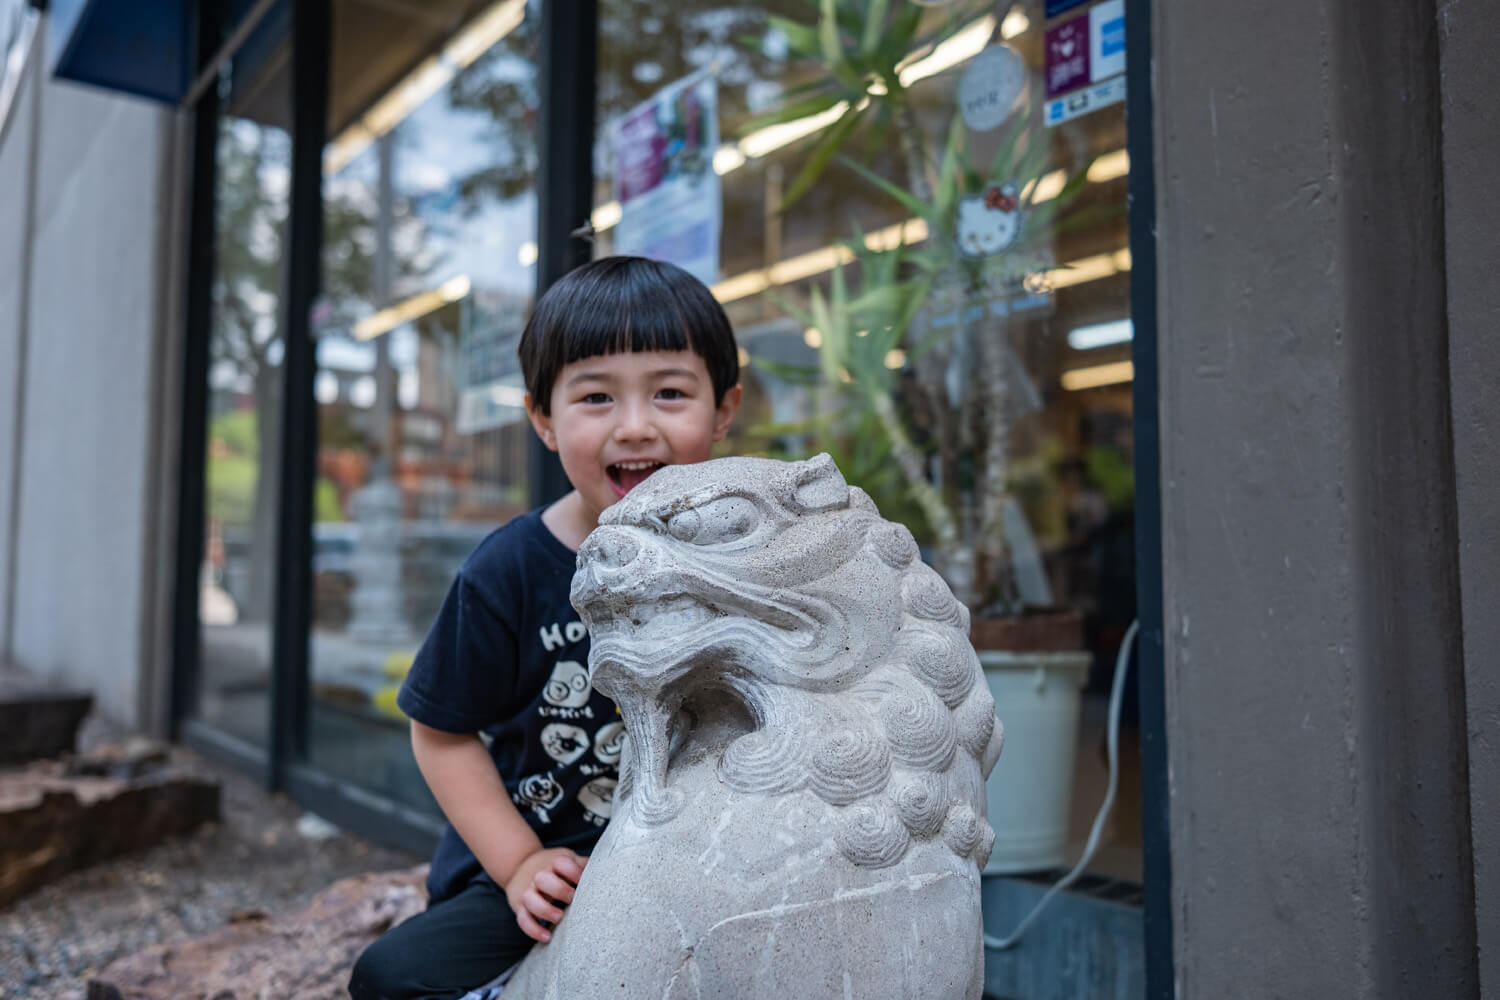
[(38, 720)]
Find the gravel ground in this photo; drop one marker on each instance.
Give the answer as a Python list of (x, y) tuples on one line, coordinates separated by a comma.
[(254, 860)]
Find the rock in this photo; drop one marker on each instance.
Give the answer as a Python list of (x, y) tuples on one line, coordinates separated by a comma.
[(304, 955), (58, 816), (809, 732), (37, 721)]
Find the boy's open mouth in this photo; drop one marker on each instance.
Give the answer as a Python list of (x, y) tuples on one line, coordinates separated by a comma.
[(626, 476)]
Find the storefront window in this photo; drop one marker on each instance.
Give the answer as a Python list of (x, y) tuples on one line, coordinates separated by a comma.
[(428, 275), (920, 235), (245, 377)]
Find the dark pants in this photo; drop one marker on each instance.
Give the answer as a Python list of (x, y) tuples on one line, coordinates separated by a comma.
[(453, 947)]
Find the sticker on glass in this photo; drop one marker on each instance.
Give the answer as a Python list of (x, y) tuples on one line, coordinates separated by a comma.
[(990, 86), (989, 223)]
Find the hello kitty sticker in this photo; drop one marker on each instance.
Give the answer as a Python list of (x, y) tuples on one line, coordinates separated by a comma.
[(989, 223)]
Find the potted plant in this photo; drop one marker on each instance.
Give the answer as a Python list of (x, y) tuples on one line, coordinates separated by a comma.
[(916, 359)]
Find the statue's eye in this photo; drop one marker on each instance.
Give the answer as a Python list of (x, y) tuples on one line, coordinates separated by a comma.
[(726, 519)]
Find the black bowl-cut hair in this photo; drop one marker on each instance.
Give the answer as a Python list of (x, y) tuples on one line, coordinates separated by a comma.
[(618, 304)]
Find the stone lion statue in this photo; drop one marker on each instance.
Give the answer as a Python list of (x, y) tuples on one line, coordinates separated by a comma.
[(801, 808)]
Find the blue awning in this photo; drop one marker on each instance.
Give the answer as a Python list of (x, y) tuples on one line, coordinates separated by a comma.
[(141, 47)]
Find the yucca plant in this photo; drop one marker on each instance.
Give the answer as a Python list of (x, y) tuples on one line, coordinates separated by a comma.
[(930, 407)]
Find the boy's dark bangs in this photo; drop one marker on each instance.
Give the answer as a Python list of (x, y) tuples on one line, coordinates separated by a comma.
[(619, 318)]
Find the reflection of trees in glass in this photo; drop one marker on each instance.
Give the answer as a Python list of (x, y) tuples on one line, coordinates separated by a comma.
[(245, 349), (246, 345)]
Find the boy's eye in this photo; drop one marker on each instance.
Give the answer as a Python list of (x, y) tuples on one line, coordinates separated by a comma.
[(672, 394), (596, 398)]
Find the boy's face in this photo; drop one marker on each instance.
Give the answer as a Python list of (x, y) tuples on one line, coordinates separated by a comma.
[(616, 418)]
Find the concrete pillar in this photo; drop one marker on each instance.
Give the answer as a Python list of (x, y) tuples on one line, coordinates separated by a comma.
[(1471, 152), (1315, 674)]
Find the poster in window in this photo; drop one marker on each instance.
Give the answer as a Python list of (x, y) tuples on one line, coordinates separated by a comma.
[(670, 207)]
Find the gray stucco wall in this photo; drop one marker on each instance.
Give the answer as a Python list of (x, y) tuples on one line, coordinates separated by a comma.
[(1471, 149), (1318, 767), (87, 429), (15, 174)]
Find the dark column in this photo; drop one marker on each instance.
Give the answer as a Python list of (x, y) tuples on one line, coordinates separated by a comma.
[(311, 28), (565, 178), (193, 443), (1150, 679)]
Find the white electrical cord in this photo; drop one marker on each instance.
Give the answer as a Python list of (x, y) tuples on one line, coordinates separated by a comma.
[(1112, 750)]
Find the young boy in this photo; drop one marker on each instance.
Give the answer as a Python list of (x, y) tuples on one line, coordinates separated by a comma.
[(630, 365)]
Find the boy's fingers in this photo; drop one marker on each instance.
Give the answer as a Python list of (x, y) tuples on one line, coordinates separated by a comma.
[(540, 907), (555, 886), (569, 866), (531, 928)]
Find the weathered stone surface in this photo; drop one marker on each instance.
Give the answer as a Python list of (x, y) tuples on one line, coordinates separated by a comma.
[(37, 721), (57, 816), (305, 955), (801, 807)]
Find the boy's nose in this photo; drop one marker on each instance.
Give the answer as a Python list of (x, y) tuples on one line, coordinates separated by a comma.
[(635, 424)]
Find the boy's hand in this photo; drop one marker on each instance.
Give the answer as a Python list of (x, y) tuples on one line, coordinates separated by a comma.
[(541, 886)]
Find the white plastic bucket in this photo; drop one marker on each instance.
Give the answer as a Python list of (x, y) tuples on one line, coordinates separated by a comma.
[(1030, 792)]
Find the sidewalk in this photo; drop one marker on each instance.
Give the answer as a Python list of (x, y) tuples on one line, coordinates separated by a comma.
[(256, 860)]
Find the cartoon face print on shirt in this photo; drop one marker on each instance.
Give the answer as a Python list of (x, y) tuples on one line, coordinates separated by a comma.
[(568, 686), (598, 799), (541, 793), (609, 741), (564, 743)]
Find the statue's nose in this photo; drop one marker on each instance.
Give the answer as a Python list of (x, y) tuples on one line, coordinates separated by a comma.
[(609, 548)]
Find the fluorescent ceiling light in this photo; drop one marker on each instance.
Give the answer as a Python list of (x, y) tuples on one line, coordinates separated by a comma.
[(605, 216), (773, 137), (963, 45), (728, 159), (430, 76), (407, 310), (1109, 166), (1097, 375), (1086, 338), (1045, 187)]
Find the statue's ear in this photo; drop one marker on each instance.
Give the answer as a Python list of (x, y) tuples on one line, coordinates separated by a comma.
[(817, 485)]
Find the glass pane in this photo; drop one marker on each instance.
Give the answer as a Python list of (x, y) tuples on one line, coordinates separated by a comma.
[(428, 273), (926, 248), (243, 463)]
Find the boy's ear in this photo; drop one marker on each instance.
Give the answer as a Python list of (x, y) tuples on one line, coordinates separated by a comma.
[(541, 423), (728, 407)]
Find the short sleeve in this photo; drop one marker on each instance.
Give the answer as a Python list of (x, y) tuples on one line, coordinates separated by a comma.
[(464, 673)]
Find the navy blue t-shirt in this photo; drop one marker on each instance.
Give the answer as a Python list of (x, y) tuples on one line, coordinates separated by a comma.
[(508, 658)]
